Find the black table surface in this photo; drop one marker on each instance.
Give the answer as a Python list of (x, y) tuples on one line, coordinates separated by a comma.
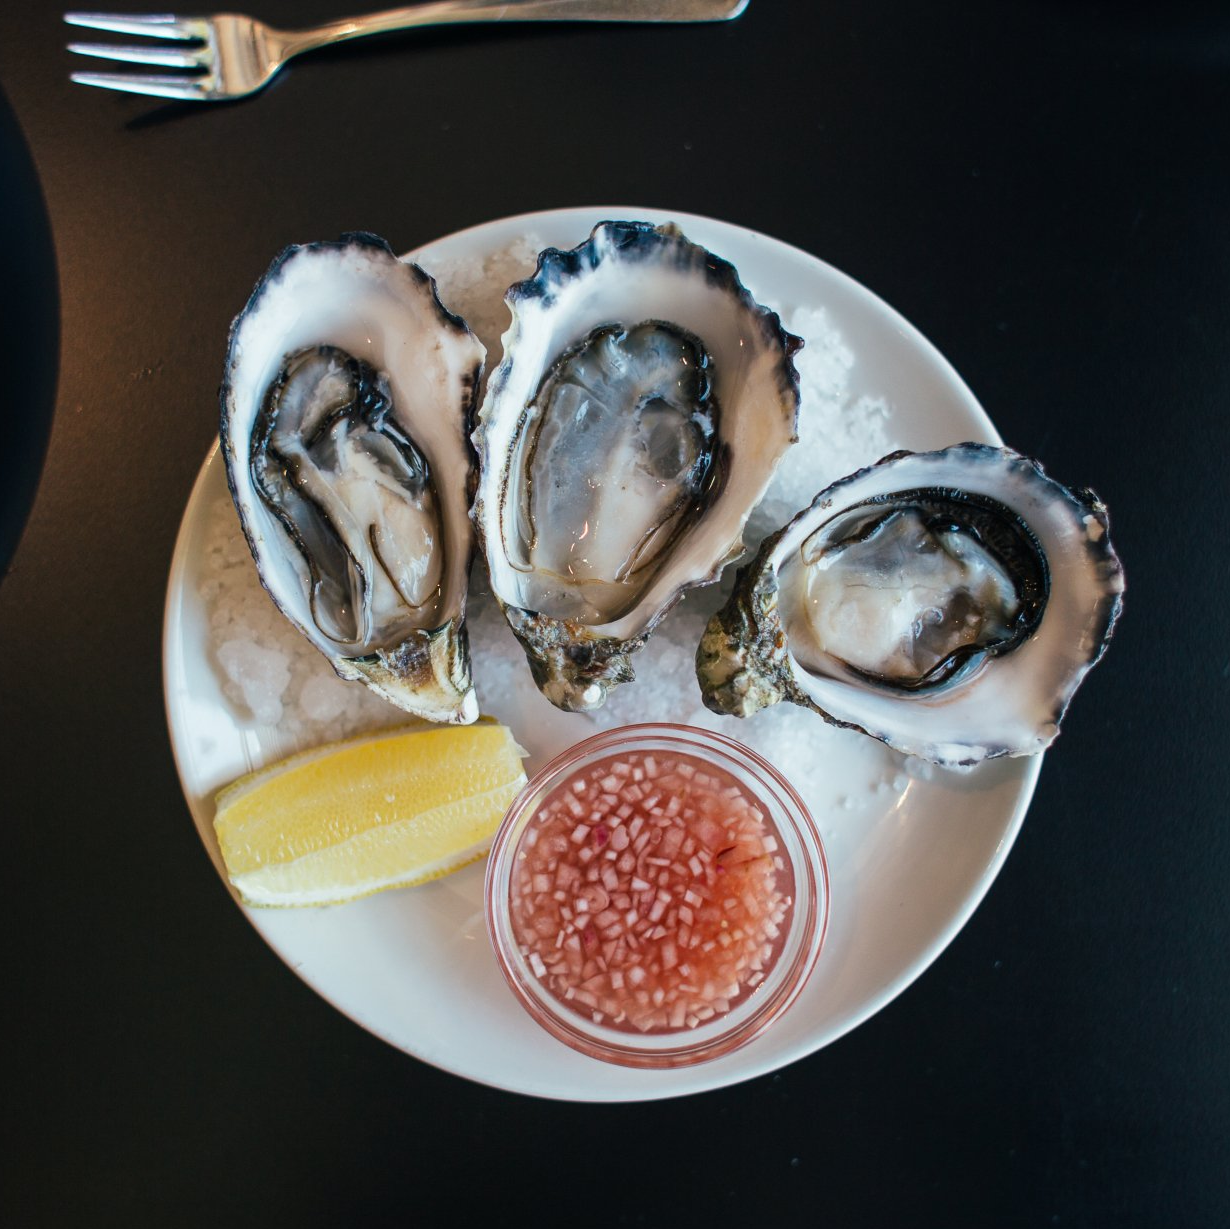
[(1043, 189)]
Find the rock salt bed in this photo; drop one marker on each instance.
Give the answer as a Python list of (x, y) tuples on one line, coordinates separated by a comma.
[(271, 675), (258, 676), (838, 431), (474, 289)]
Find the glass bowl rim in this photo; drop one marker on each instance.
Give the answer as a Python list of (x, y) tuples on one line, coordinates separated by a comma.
[(809, 914)]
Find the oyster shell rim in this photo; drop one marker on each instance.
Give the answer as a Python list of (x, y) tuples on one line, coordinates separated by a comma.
[(743, 662), (428, 674), (598, 656)]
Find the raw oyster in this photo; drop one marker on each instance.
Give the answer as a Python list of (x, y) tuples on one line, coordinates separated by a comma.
[(641, 407), (948, 603), (345, 411)]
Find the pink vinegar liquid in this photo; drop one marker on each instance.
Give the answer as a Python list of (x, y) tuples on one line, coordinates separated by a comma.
[(650, 892)]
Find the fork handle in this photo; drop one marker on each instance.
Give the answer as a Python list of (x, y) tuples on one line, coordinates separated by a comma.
[(456, 12)]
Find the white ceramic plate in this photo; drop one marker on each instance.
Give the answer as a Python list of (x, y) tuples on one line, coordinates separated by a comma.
[(910, 854)]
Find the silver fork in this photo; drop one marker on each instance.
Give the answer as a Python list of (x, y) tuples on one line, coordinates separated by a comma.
[(237, 55)]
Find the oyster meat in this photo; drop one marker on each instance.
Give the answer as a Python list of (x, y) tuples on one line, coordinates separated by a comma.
[(346, 405), (948, 603), (643, 402)]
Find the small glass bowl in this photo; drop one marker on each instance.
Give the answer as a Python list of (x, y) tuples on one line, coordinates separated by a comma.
[(802, 929)]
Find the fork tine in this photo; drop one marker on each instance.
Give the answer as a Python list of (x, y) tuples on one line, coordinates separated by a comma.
[(188, 89), (153, 25), (158, 56)]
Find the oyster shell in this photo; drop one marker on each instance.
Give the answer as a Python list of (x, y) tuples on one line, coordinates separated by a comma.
[(643, 402), (345, 410), (948, 603)]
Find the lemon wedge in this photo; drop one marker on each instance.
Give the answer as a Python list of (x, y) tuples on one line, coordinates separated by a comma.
[(383, 811)]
